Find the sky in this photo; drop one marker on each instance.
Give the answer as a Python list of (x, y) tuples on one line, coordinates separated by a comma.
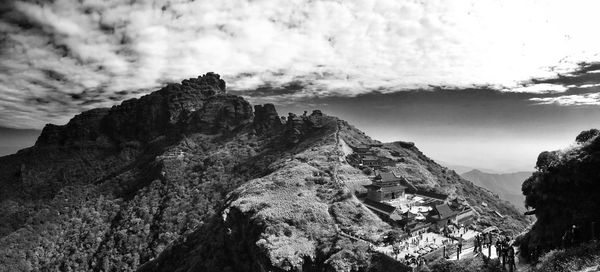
[(484, 83)]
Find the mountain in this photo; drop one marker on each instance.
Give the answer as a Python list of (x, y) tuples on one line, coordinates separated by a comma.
[(507, 186), (464, 168), (564, 192), (191, 178)]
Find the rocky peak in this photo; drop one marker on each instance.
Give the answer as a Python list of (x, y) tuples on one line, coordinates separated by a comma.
[(85, 125), (197, 104), (266, 119), (298, 126)]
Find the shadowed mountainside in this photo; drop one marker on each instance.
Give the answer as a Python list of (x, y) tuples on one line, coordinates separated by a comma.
[(190, 177), (564, 192)]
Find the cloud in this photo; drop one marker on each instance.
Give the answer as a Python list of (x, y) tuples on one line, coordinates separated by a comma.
[(60, 57), (590, 99)]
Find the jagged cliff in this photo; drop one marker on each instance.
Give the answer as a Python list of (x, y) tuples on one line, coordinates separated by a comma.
[(565, 191), (192, 178)]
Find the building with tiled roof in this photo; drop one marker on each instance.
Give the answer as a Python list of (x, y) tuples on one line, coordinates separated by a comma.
[(443, 215), (385, 186)]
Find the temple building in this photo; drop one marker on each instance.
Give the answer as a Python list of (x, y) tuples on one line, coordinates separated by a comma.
[(385, 186), (371, 161), (362, 149), (443, 215)]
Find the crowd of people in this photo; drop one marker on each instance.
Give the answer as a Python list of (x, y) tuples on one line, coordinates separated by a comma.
[(414, 261), (504, 250), (482, 243)]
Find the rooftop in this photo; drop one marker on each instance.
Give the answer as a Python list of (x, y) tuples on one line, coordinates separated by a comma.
[(387, 177), (444, 211), (370, 158)]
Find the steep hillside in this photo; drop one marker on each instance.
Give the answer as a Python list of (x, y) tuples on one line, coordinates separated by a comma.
[(427, 175), (564, 192), (293, 219), (112, 188), (192, 178), (507, 185)]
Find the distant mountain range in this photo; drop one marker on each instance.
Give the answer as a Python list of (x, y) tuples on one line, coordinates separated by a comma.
[(507, 186), (465, 168)]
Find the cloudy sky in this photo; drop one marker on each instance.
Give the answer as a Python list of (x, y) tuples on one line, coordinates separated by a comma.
[(486, 83)]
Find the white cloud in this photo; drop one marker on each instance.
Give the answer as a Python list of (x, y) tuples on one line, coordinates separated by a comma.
[(589, 99), (343, 47), (537, 88)]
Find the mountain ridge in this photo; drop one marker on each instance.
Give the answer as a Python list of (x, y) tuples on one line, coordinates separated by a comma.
[(189, 176)]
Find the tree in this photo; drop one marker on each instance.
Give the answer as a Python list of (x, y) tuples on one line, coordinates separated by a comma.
[(393, 236), (585, 136), (546, 160)]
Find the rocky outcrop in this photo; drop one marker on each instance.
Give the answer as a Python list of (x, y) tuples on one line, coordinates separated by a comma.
[(83, 127), (298, 126), (220, 114), (266, 119), (197, 104)]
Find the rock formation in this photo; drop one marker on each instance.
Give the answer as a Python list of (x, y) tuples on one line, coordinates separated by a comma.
[(266, 119)]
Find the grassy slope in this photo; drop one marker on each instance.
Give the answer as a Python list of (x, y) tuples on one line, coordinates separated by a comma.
[(200, 199), (291, 218), (287, 220), (581, 258)]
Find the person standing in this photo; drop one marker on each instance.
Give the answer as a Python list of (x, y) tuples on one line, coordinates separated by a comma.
[(444, 251), (574, 235), (511, 258), (498, 247), (490, 242), (504, 252)]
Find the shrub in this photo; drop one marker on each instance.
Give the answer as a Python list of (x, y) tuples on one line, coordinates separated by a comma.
[(585, 136), (572, 259)]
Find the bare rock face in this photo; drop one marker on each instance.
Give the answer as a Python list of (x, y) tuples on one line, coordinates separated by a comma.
[(266, 119), (220, 114), (83, 126), (298, 126), (198, 104), (294, 128)]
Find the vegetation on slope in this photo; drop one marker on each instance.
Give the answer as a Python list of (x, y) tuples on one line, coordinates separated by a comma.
[(190, 177), (564, 192), (580, 258), (477, 264), (289, 220), (89, 197)]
